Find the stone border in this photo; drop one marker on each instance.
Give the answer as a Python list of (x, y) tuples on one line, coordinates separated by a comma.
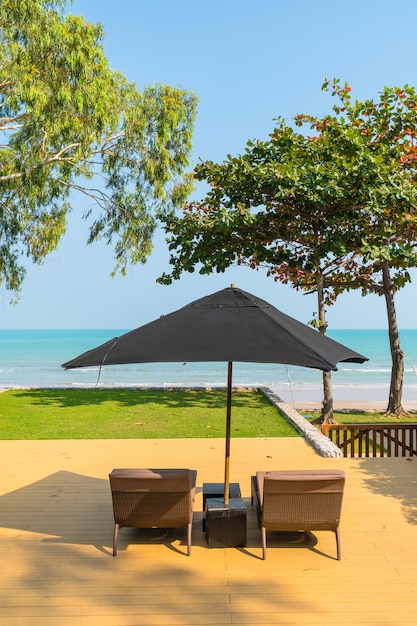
[(321, 444)]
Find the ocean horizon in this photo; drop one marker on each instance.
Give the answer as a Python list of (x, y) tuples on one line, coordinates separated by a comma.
[(33, 358)]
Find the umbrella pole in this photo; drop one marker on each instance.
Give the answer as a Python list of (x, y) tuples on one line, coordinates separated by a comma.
[(228, 423)]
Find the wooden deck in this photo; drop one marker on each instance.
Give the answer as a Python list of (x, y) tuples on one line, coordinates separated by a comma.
[(56, 533)]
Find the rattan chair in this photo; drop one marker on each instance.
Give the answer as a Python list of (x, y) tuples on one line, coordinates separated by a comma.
[(153, 498), (298, 500)]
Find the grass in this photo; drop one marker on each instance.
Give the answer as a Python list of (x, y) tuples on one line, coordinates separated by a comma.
[(136, 414), (365, 417)]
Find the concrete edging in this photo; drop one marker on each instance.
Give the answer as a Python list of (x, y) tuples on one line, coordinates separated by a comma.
[(321, 444)]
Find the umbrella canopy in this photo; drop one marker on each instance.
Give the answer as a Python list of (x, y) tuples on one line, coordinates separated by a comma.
[(229, 325)]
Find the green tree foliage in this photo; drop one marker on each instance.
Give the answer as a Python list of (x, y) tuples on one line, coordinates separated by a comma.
[(326, 212), (69, 123), (385, 132)]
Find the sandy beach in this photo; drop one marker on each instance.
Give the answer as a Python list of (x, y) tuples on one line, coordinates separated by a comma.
[(355, 397)]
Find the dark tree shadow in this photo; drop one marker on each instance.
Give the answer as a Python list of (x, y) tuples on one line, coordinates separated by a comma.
[(131, 397), (395, 478)]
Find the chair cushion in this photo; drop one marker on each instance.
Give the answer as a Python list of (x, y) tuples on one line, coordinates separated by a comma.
[(288, 481), (155, 480)]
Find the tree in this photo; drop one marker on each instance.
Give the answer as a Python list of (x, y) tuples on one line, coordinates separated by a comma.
[(282, 206), (69, 123), (386, 131), (311, 209)]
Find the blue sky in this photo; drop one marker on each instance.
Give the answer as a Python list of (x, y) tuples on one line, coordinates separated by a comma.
[(248, 63)]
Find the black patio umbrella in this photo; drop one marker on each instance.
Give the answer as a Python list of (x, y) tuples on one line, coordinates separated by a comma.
[(230, 325)]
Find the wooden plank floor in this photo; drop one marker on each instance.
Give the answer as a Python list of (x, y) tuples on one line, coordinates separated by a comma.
[(56, 532)]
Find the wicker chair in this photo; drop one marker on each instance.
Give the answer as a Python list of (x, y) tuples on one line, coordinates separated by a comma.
[(298, 500), (153, 498)]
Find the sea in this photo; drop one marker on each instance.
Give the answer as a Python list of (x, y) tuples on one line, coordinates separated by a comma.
[(33, 358)]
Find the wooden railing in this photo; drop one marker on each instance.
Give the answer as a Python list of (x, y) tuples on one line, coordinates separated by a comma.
[(373, 440)]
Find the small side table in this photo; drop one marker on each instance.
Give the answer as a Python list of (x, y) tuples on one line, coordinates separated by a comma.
[(216, 490), (225, 525)]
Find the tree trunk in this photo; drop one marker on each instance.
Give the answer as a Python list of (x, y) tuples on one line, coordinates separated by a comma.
[(327, 408), (327, 405), (397, 356)]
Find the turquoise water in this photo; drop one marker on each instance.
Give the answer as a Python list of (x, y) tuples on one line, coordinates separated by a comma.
[(34, 357)]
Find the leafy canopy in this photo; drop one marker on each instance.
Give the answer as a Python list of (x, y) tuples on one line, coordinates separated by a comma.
[(69, 122), (315, 209), (327, 205)]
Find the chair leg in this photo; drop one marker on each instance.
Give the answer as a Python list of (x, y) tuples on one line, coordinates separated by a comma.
[(263, 542), (252, 489), (115, 538), (338, 547), (189, 531)]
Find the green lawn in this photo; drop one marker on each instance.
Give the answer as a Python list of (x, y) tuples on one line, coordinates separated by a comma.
[(364, 417), (135, 413)]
